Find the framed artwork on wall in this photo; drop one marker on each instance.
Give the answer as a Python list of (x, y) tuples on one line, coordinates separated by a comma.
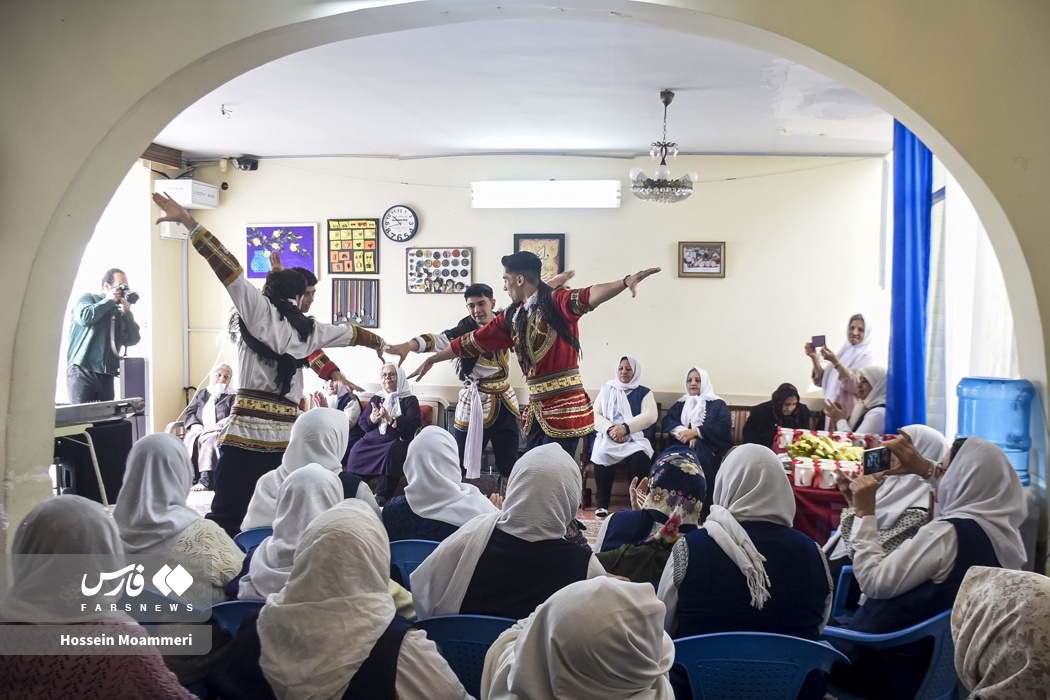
[(353, 246), (701, 259), (550, 247), (356, 302), (296, 243), (439, 270)]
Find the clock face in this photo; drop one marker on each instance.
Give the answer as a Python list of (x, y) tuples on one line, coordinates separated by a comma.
[(400, 223)]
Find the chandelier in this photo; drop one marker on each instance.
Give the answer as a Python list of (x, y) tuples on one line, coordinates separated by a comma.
[(662, 188)]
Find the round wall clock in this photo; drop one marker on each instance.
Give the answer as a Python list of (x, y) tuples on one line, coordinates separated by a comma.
[(400, 223)]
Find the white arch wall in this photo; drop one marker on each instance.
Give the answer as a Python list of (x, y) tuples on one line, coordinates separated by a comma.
[(88, 84)]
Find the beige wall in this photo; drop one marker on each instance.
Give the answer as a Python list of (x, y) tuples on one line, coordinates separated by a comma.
[(88, 85)]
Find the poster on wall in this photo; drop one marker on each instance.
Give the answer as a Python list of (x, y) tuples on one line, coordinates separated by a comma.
[(439, 270), (549, 247), (296, 244), (356, 302), (353, 248), (701, 259)]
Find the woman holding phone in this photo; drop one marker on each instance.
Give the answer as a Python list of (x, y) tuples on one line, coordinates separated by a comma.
[(855, 354)]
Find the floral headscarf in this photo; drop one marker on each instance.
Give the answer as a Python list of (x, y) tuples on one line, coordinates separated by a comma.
[(676, 488)]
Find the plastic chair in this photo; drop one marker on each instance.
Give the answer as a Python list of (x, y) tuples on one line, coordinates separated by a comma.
[(838, 605), (228, 615), (940, 682), (407, 555), (463, 641), (246, 539), (747, 665)]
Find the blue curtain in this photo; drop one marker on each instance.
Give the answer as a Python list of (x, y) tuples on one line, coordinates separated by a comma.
[(912, 199)]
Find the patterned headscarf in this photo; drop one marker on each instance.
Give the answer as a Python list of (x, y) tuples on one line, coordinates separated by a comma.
[(676, 486), (782, 394)]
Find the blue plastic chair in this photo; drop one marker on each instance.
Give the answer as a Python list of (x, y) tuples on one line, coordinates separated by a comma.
[(839, 610), (748, 665), (463, 641), (940, 682), (228, 615), (407, 555), (246, 539)]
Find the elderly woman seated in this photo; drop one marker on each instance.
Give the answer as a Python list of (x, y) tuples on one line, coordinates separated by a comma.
[(869, 414), (203, 418), (784, 410)]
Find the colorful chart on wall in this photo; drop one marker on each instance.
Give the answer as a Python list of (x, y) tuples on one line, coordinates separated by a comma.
[(296, 243), (439, 270), (353, 246), (355, 302)]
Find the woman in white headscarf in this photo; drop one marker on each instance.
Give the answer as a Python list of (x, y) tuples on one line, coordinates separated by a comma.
[(337, 636), (856, 353), (390, 422), (1001, 628), (153, 519), (592, 640), (508, 562), (436, 502), (203, 418), (868, 415), (624, 416), (318, 437), (44, 590)]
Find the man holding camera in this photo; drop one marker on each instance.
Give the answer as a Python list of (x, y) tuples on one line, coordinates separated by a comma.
[(101, 325)]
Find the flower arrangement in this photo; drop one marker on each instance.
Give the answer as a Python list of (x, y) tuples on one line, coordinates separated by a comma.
[(275, 240)]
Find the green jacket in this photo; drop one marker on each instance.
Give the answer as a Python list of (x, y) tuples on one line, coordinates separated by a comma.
[(89, 344)]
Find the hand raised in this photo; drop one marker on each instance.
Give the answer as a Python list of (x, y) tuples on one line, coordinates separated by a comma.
[(421, 370), (173, 211), (633, 280)]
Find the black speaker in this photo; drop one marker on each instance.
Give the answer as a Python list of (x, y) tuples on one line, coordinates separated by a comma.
[(112, 442), (134, 383)]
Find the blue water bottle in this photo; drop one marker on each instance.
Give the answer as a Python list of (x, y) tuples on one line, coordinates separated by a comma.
[(998, 410)]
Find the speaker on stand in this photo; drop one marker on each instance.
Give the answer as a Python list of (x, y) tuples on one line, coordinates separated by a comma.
[(134, 382)]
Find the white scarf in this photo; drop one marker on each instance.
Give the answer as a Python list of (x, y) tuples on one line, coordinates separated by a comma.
[(600, 638), (617, 408), (151, 509), (543, 495), (694, 409), (208, 419), (434, 489), (876, 377), (318, 436), (320, 628), (852, 357), (750, 486), (392, 399), (332, 400), (305, 494)]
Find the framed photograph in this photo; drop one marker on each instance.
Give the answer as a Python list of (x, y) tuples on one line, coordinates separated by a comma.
[(550, 247), (296, 243), (355, 301), (439, 270), (701, 259), (353, 246)]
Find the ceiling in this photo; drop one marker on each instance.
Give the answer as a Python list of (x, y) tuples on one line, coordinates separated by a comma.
[(528, 87)]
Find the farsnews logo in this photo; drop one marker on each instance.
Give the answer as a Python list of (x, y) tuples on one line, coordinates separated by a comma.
[(130, 580)]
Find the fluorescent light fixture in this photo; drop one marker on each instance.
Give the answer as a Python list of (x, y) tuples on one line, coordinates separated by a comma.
[(545, 194)]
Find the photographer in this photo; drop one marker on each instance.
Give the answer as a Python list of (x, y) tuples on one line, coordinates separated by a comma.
[(101, 325)]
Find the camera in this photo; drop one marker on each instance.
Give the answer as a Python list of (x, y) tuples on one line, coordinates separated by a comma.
[(131, 296)]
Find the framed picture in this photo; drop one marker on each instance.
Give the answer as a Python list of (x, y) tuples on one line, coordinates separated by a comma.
[(296, 243), (550, 247), (439, 270), (356, 302), (353, 246), (701, 259)]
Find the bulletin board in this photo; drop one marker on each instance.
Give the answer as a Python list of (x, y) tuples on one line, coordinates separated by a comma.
[(353, 246), (439, 270)]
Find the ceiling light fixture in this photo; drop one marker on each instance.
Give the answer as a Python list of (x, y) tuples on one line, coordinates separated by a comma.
[(662, 188)]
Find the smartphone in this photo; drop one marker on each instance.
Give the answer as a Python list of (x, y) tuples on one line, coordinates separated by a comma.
[(876, 460), (818, 341)]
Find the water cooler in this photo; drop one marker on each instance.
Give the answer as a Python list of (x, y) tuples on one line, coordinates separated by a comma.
[(998, 410)]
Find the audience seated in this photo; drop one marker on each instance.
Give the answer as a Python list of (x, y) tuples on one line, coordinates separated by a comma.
[(869, 414), (637, 543), (42, 592), (153, 519), (318, 437), (624, 418), (202, 420), (336, 395), (591, 640), (336, 636), (856, 353), (765, 420), (1001, 628), (508, 562), (390, 424), (436, 502)]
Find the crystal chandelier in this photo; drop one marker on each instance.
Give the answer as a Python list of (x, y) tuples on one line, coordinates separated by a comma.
[(662, 188)]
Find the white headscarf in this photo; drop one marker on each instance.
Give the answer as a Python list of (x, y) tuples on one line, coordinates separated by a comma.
[(600, 638), (897, 494), (695, 409), (332, 400), (434, 489), (876, 376), (151, 509), (318, 437), (305, 494), (543, 495), (46, 586), (392, 399), (215, 390), (320, 628), (853, 357), (750, 485), (981, 485)]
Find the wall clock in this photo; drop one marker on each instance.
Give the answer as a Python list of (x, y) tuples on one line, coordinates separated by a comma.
[(400, 223)]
